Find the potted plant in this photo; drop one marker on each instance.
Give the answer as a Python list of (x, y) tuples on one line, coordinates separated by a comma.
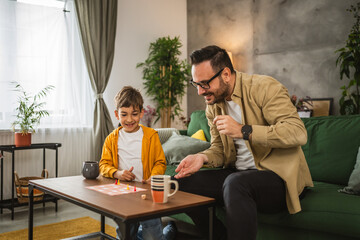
[(28, 114), (349, 61), (165, 77), (302, 106), (149, 114)]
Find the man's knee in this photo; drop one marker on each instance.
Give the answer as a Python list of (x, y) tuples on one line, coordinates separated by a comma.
[(238, 181)]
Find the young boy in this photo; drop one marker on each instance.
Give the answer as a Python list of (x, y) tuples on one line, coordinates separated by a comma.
[(133, 152)]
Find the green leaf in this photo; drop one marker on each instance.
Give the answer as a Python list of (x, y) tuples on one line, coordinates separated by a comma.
[(349, 62), (29, 112), (165, 76)]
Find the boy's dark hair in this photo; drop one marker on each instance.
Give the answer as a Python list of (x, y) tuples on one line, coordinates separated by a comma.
[(218, 57), (127, 97)]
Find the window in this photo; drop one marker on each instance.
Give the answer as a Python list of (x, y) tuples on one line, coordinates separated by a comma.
[(40, 45)]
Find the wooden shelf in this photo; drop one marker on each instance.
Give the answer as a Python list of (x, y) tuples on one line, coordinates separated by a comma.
[(7, 203), (12, 203)]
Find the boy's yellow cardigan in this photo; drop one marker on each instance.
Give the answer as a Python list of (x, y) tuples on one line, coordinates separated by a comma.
[(152, 154)]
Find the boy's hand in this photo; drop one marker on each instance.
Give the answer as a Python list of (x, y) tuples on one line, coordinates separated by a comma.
[(148, 181), (125, 175)]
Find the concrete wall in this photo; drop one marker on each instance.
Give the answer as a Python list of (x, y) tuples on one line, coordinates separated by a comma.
[(139, 23), (291, 40)]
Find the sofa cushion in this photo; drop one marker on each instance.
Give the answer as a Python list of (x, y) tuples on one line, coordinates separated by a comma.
[(199, 121), (199, 135), (177, 147), (332, 147), (323, 209), (272, 232), (353, 186)]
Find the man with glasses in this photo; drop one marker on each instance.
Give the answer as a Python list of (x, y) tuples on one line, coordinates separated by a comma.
[(256, 137)]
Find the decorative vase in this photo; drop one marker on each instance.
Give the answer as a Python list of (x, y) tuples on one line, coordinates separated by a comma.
[(305, 113), (90, 169), (22, 140)]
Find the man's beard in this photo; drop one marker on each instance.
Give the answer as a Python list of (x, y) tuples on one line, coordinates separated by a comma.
[(220, 94)]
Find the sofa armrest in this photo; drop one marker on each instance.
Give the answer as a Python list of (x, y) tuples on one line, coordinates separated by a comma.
[(165, 133)]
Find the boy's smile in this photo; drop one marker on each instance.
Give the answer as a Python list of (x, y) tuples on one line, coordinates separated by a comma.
[(129, 118)]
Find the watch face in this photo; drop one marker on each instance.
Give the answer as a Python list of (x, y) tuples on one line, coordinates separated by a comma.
[(246, 129)]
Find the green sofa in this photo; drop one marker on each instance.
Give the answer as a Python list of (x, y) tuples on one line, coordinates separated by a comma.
[(331, 151)]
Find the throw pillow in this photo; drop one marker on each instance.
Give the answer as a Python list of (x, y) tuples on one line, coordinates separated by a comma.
[(199, 121), (354, 180), (177, 147), (199, 135)]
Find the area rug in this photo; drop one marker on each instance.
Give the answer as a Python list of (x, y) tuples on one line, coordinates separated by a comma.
[(60, 230)]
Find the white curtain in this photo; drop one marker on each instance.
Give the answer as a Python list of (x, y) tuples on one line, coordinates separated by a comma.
[(39, 46)]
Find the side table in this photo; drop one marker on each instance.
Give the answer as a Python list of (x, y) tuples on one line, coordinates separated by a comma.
[(11, 149)]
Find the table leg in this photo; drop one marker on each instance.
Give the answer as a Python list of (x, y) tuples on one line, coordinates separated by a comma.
[(211, 219), (31, 211), (44, 163), (102, 223), (56, 162), (44, 167), (56, 174), (2, 178), (127, 231), (12, 184), (124, 228)]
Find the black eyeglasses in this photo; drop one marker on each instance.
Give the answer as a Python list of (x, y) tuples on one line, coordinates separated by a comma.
[(205, 84)]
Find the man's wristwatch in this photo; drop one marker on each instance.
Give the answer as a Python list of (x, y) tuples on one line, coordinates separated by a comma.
[(246, 130)]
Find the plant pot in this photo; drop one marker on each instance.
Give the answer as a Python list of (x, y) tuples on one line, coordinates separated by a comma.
[(22, 140), (305, 113)]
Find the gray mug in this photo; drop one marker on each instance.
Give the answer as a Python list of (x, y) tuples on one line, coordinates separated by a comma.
[(90, 169)]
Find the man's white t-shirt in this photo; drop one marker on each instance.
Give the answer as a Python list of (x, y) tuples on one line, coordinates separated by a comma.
[(244, 157), (129, 152)]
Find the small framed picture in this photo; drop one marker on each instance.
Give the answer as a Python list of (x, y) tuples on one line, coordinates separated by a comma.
[(320, 106)]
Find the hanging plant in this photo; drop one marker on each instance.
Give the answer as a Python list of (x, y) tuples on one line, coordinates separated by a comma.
[(165, 77)]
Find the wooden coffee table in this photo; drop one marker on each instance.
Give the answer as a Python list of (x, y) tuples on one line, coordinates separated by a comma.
[(128, 208)]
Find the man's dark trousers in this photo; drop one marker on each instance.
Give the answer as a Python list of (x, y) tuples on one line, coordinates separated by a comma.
[(242, 192)]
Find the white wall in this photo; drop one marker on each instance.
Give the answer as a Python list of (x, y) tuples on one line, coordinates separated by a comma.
[(139, 23)]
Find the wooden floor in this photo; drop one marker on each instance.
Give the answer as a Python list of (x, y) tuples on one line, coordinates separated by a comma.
[(68, 211)]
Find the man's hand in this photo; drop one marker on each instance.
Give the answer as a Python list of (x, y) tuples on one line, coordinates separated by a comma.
[(125, 175), (189, 165), (228, 126)]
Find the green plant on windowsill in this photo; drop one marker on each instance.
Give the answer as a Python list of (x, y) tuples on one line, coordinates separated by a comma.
[(349, 61), (29, 112)]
